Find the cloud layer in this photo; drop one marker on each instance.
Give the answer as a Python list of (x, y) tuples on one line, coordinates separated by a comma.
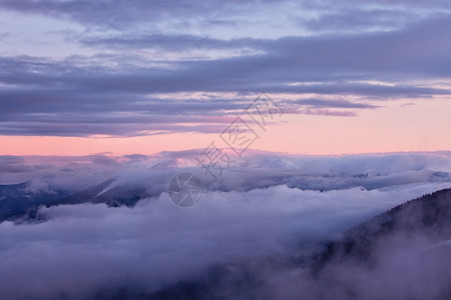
[(266, 205)]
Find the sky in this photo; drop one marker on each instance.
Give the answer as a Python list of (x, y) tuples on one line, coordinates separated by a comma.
[(81, 77)]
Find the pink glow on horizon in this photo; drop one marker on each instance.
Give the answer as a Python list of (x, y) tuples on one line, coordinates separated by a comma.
[(425, 126)]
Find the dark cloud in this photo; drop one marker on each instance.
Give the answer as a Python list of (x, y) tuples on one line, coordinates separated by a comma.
[(104, 160), (122, 13), (351, 19), (104, 13), (123, 92), (319, 103), (13, 164), (174, 43), (136, 157)]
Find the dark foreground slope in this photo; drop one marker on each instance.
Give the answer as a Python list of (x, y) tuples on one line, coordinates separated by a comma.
[(402, 254), (428, 216)]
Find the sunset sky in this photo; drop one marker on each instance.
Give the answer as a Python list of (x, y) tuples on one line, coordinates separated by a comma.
[(225, 149), (82, 77)]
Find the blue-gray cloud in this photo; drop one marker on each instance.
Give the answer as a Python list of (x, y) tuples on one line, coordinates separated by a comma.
[(121, 90)]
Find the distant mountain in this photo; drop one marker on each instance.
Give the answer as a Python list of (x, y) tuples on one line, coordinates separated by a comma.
[(19, 202), (109, 193)]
